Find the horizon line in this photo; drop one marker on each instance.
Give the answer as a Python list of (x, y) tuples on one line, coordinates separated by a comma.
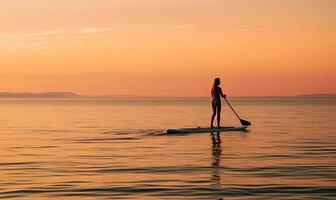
[(72, 94)]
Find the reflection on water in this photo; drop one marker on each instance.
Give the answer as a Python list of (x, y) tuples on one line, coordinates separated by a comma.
[(116, 148), (216, 156)]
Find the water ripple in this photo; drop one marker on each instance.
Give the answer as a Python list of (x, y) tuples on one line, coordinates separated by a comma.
[(155, 190)]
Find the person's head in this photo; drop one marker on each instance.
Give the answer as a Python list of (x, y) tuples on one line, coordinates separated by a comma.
[(216, 82)]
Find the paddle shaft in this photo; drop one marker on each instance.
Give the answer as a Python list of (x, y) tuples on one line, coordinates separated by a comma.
[(232, 108)]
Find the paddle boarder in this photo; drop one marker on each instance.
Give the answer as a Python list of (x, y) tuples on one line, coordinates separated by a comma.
[(216, 93)]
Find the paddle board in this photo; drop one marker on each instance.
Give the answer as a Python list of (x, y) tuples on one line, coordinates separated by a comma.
[(206, 130)]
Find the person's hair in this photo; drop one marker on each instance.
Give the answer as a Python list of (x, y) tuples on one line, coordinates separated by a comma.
[(214, 86)]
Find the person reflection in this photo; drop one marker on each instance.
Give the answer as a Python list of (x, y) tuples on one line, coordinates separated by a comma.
[(216, 156)]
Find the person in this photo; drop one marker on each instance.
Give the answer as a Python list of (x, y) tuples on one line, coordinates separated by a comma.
[(216, 93)]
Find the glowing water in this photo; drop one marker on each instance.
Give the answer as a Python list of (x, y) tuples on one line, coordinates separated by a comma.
[(114, 148)]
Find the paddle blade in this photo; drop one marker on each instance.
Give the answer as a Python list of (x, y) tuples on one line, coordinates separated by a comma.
[(245, 123)]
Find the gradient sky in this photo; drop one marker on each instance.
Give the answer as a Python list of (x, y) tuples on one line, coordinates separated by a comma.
[(168, 47)]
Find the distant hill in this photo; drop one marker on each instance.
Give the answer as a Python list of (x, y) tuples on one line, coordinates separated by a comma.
[(37, 95), (318, 95)]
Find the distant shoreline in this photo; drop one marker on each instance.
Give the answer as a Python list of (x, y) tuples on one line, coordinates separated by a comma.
[(74, 95)]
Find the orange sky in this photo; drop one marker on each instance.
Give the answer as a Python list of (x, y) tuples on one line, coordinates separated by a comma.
[(168, 47)]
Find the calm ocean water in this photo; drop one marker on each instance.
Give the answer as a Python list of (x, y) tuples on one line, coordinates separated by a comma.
[(116, 148)]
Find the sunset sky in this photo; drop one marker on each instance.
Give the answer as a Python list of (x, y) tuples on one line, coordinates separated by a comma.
[(168, 47)]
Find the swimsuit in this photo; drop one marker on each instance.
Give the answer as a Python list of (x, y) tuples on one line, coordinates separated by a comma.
[(216, 97), (216, 101)]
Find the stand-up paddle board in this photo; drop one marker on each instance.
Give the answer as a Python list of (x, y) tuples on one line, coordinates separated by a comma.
[(206, 130)]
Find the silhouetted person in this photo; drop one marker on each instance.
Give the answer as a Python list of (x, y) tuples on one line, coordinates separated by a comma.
[(216, 93)]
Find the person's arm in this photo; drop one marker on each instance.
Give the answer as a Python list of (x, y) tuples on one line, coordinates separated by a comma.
[(221, 93)]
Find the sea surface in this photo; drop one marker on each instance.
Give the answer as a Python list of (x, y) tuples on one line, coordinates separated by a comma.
[(117, 148)]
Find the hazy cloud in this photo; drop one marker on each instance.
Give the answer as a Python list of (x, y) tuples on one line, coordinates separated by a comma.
[(90, 30), (51, 33), (180, 26)]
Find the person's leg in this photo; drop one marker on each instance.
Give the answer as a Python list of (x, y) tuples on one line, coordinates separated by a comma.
[(218, 115), (213, 114)]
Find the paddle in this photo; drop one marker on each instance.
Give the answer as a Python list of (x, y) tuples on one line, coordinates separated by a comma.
[(243, 122)]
